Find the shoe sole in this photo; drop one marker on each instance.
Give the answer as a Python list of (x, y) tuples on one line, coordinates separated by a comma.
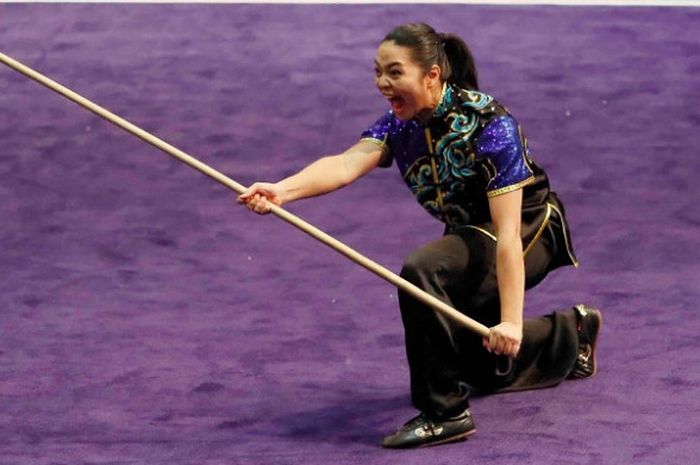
[(457, 438)]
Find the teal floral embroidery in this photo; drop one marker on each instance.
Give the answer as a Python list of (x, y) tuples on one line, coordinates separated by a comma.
[(476, 100)]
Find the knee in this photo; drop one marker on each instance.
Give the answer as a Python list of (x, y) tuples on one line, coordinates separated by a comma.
[(417, 267)]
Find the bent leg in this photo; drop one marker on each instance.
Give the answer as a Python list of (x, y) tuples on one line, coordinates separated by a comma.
[(547, 355), (549, 346), (445, 359), (449, 268)]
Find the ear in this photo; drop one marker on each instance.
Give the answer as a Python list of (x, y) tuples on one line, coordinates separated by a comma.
[(433, 76)]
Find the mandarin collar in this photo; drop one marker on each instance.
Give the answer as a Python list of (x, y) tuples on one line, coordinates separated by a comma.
[(446, 103)]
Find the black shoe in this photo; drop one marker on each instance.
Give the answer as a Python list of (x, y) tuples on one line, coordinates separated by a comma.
[(423, 431), (589, 321)]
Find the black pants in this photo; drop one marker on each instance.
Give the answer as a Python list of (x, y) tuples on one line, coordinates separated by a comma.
[(448, 361)]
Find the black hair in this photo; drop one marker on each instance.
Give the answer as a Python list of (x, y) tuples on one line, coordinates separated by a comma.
[(446, 50)]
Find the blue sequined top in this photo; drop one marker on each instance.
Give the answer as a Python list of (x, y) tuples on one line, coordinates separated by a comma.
[(470, 149)]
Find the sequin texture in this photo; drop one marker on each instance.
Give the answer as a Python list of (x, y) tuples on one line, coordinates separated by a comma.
[(478, 150)]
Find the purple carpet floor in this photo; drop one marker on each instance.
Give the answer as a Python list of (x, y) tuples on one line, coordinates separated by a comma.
[(146, 318)]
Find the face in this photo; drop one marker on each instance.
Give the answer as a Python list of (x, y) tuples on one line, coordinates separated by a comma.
[(409, 90)]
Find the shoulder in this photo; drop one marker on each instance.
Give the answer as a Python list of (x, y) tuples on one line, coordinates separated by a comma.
[(388, 126), (385, 124), (389, 119), (500, 127), (484, 105), (474, 99), (494, 120)]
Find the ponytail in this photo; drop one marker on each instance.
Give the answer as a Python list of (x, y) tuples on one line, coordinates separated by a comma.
[(462, 70)]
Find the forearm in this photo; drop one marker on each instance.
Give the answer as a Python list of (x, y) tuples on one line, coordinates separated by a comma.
[(324, 175), (510, 270), (320, 177)]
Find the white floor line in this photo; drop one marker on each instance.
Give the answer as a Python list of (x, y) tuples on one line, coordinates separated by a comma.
[(618, 3)]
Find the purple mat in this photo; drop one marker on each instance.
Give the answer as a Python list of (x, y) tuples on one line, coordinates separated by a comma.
[(145, 318)]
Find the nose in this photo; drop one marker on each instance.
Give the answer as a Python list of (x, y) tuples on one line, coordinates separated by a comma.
[(382, 82)]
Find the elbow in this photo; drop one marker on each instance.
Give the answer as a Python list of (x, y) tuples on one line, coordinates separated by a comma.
[(508, 234), (343, 179), (346, 173), (510, 240)]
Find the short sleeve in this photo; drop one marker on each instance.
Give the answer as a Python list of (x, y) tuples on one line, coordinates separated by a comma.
[(501, 147), (378, 134)]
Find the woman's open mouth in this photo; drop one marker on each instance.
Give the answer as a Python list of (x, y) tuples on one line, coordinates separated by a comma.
[(397, 104)]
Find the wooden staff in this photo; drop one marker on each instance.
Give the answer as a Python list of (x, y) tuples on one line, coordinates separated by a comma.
[(314, 232)]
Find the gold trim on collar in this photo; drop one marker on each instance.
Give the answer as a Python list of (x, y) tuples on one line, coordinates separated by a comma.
[(439, 104), (442, 94)]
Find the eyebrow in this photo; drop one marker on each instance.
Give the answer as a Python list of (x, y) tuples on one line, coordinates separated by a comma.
[(393, 63)]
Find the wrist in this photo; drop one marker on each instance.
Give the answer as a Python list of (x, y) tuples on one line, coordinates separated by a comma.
[(284, 194), (517, 323)]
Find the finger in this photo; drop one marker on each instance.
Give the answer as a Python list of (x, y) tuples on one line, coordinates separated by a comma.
[(262, 206), (514, 349), (255, 201), (501, 346), (487, 344), (243, 198), (249, 192)]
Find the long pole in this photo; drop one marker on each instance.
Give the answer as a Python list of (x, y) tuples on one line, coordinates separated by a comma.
[(311, 230)]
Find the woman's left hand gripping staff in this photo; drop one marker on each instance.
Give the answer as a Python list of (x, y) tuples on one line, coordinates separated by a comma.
[(504, 339)]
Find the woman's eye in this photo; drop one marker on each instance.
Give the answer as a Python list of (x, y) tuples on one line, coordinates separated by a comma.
[(395, 73)]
